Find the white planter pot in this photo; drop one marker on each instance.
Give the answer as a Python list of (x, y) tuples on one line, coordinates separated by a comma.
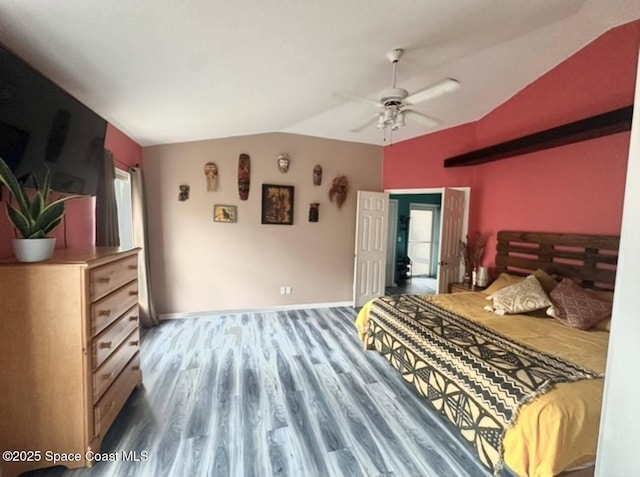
[(33, 250)]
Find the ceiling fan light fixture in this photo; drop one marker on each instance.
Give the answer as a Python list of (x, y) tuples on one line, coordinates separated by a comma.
[(399, 121), (395, 103), (389, 115)]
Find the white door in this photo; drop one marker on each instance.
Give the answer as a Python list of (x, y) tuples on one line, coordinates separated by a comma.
[(371, 246), (450, 235)]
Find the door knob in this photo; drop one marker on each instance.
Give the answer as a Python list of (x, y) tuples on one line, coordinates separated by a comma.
[(443, 263)]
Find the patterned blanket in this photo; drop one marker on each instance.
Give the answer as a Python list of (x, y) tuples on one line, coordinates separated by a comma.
[(472, 375)]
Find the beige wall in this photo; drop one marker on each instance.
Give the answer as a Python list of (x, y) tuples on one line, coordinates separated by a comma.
[(199, 265)]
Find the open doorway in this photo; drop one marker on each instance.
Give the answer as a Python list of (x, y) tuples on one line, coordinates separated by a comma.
[(416, 255), (417, 224)]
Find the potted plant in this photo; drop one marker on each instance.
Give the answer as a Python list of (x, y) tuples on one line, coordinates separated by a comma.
[(33, 217)]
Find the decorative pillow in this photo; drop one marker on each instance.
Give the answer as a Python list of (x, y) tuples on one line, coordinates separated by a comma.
[(504, 280), (547, 282), (522, 297), (576, 307)]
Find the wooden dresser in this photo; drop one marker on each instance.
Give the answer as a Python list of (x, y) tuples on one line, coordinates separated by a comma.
[(69, 342)]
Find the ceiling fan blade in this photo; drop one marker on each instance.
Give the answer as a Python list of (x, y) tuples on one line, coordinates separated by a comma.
[(357, 97), (421, 118), (437, 89), (365, 125)]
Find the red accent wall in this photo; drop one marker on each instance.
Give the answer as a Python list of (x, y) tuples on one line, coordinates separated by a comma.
[(127, 152), (78, 227), (576, 188)]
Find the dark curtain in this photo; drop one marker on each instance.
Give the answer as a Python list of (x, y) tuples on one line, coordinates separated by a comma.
[(148, 315), (107, 233)]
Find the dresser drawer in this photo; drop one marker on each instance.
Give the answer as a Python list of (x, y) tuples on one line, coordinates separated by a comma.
[(106, 342), (111, 368), (108, 407), (107, 310), (103, 280)]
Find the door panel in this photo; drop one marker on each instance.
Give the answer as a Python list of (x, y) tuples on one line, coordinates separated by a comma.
[(450, 236), (371, 246)]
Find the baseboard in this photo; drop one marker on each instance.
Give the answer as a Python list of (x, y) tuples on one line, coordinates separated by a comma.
[(306, 306)]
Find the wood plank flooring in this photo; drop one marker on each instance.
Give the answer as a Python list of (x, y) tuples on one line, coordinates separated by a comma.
[(287, 393), (414, 286)]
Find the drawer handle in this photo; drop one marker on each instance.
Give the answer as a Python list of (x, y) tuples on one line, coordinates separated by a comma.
[(134, 343), (133, 318), (133, 267), (109, 405), (105, 345), (104, 279), (107, 376), (133, 293), (104, 313), (136, 367)]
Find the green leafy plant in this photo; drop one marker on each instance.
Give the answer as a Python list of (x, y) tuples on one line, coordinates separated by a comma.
[(33, 217)]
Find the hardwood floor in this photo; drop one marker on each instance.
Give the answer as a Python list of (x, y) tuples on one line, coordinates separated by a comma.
[(287, 393), (414, 286)]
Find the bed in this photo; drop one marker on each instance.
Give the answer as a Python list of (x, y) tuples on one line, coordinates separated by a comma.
[(522, 389)]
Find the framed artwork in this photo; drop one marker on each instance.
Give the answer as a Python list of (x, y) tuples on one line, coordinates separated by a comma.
[(277, 204), (225, 213)]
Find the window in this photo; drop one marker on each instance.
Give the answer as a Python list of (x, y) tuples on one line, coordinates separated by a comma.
[(123, 200)]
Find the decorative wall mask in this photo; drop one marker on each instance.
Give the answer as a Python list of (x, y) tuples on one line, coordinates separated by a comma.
[(211, 171), (283, 163), (244, 176), (317, 175), (339, 189), (184, 193), (314, 211)]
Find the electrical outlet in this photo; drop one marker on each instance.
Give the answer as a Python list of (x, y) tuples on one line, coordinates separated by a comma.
[(283, 290), (287, 290)]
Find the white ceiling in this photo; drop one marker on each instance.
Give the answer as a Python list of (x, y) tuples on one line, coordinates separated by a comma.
[(166, 71)]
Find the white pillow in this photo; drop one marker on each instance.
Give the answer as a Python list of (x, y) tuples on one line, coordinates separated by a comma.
[(522, 297)]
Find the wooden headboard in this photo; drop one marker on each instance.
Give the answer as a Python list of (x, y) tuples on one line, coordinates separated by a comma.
[(591, 260)]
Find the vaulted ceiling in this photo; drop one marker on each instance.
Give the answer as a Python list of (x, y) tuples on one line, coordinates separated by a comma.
[(165, 71)]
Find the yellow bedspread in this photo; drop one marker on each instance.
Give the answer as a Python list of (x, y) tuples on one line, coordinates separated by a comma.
[(559, 429)]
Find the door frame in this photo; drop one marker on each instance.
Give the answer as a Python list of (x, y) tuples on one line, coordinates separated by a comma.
[(392, 239), (440, 190)]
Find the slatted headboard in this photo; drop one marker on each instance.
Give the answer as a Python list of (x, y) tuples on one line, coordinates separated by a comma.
[(591, 260)]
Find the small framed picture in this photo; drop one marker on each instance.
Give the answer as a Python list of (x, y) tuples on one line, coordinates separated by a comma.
[(277, 204), (225, 213)]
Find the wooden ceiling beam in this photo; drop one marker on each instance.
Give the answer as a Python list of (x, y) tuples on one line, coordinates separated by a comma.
[(612, 122)]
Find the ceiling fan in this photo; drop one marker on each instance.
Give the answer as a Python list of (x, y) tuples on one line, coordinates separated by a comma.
[(396, 102)]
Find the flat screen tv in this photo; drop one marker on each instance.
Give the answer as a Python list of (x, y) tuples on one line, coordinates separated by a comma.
[(42, 126)]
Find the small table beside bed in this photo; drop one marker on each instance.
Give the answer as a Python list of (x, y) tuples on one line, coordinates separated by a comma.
[(518, 367)]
